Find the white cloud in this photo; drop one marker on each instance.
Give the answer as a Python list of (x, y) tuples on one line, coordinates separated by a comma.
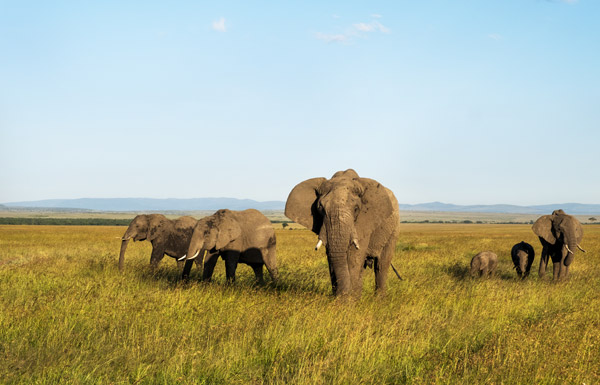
[(495, 36), (329, 38), (219, 25), (376, 16), (382, 28), (357, 30), (364, 27), (371, 27)]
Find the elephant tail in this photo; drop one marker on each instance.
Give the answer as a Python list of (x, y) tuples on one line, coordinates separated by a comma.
[(396, 271)]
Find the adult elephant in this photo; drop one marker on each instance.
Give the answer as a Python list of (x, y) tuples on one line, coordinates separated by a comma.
[(357, 219), (560, 235), (238, 237), (170, 237)]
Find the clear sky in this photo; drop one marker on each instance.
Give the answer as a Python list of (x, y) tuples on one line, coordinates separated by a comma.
[(462, 101)]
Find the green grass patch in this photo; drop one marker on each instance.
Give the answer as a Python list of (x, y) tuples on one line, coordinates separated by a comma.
[(69, 316)]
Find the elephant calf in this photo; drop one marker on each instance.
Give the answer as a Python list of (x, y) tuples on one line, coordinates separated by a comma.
[(484, 264), (237, 236), (522, 256)]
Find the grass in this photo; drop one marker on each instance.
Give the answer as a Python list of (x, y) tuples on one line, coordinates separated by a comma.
[(69, 316)]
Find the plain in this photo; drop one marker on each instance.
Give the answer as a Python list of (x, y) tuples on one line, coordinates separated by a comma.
[(69, 316)]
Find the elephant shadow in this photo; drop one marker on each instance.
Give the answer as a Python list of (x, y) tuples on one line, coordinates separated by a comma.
[(458, 271), (303, 282), (170, 276)]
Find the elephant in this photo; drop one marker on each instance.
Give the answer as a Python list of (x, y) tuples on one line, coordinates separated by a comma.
[(167, 236), (560, 235), (357, 219), (238, 237), (522, 255), (484, 264)]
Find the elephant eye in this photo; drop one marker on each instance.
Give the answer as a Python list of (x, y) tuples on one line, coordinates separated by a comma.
[(356, 211), (320, 207)]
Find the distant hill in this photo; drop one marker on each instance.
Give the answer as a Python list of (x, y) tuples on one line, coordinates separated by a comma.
[(149, 204), (569, 208), (199, 204)]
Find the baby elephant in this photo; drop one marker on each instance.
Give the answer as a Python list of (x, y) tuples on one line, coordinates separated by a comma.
[(522, 256), (484, 264)]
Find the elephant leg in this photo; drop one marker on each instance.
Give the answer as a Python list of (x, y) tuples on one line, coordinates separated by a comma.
[(543, 262), (158, 254), (485, 272), (382, 266), (258, 272), (186, 269), (556, 270), (209, 266), (565, 262), (231, 261), (332, 276), (270, 259), (557, 261)]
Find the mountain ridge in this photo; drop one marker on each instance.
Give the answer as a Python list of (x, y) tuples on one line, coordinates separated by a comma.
[(196, 204)]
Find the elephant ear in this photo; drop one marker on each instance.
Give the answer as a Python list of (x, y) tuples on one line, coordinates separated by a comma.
[(156, 225), (543, 228), (379, 216), (301, 205), (530, 251), (229, 229)]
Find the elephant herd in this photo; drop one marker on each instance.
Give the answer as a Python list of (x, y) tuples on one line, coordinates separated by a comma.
[(560, 235), (356, 219)]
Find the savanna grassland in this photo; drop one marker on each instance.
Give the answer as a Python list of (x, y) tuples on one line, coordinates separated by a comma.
[(68, 315)]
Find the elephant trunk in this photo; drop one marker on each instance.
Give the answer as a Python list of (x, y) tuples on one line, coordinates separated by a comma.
[(571, 243), (475, 265), (339, 264), (124, 243), (340, 231), (523, 260)]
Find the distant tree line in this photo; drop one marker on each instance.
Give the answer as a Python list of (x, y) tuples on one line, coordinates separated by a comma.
[(65, 221), (82, 221), (467, 221)]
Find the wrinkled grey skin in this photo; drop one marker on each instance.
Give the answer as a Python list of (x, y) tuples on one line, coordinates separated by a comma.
[(484, 264), (522, 255), (560, 235), (170, 237), (238, 237), (357, 220)]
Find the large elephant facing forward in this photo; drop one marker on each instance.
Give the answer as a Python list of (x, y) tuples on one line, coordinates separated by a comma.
[(170, 237), (238, 237), (560, 235), (357, 220)]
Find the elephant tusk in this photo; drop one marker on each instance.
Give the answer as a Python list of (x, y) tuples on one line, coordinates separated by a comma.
[(182, 258), (569, 250), (355, 243), (579, 247), (195, 255), (318, 244)]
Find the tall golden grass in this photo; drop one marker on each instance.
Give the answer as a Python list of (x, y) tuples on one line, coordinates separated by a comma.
[(68, 315)]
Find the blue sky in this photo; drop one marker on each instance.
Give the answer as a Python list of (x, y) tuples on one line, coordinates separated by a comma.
[(466, 102)]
